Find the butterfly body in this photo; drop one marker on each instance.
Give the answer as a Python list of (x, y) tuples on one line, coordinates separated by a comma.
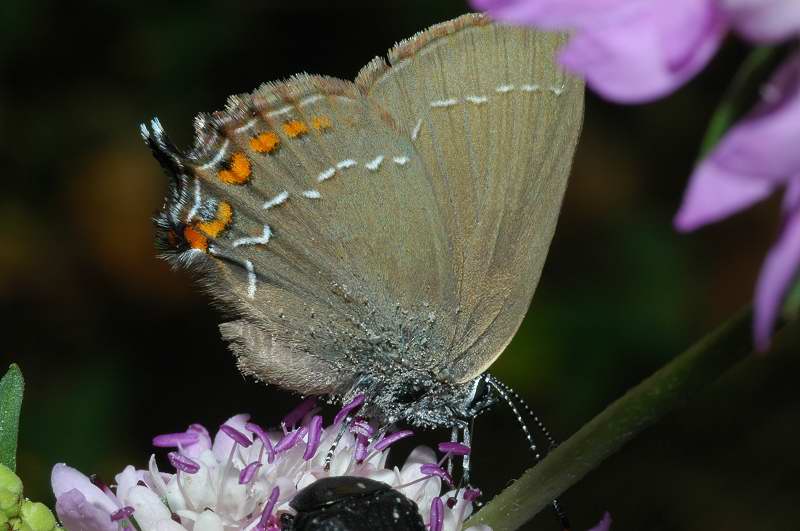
[(382, 236)]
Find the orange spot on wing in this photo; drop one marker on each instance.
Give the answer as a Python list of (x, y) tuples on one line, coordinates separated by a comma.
[(295, 128), (195, 239), (265, 142), (214, 227), (321, 123), (238, 172)]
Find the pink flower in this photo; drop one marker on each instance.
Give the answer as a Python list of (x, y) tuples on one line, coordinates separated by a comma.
[(640, 50), (764, 20), (246, 478), (604, 524), (757, 157), (627, 50)]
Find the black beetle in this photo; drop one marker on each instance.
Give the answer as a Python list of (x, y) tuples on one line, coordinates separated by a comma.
[(349, 503)]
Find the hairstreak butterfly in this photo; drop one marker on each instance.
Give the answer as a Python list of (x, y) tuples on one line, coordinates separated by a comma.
[(382, 237)]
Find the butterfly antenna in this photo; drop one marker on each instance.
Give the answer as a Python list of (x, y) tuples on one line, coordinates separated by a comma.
[(511, 398)]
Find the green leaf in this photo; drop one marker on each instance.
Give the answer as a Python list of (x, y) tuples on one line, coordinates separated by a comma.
[(738, 95), (642, 406), (12, 386)]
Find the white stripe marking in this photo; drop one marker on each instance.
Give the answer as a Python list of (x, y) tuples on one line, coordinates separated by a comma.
[(218, 157), (251, 279), (311, 99), (502, 89), (197, 201), (346, 163), (255, 240), (415, 131), (444, 103), (557, 90), (312, 194), (327, 174), (477, 100), (277, 200), (282, 110), (529, 88), (375, 163), (246, 126), (400, 161)]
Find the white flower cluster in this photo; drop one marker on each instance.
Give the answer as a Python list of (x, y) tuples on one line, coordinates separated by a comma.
[(246, 477)]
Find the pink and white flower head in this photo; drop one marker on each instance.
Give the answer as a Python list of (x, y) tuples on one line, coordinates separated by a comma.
[(247, 476)]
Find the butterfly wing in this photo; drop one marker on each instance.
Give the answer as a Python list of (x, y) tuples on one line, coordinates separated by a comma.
[(349, 227), (495, 122)]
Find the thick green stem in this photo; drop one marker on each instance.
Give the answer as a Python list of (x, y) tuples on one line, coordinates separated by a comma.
[(620, 422)]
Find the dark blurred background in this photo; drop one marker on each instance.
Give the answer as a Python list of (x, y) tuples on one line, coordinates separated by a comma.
[(116, 347)]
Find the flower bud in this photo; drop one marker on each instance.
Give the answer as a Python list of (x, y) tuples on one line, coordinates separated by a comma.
[(37, 516), (10, 492)]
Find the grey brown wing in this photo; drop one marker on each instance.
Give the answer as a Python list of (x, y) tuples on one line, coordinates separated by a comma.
[(495, 122), (310, 217)]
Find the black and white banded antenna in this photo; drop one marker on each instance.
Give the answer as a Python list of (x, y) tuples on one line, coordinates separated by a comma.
[(512, 398)]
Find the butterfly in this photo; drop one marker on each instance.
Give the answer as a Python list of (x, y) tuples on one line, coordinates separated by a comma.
[(381, 237)]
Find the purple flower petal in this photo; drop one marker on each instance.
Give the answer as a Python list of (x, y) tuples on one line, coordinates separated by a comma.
[(273, 499), (391, 439), (780, 268), (123, 514), (183, 463), (265, 440), (297, 414), (604, 524), (173, 440), (314, 436), (248, 472), (351, 406), (290, 440), (222, 442), (471, 495), (553, 14), (649, 52), (628, 51), (76, 512), (239, 437), (361, 448), (437, 514), (454, 448), (432, 469), (764, 20), (715, 193), (203, 442), (764, 143), (64, 478)]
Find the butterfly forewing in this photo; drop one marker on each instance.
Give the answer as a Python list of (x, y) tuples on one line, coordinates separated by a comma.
[(495, 122)]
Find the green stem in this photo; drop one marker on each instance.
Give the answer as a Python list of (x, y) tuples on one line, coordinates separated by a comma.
[(736, 96), (639, 408)]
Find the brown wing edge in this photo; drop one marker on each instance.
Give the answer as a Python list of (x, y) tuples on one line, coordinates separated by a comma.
[(211, 128), (408, 48)]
